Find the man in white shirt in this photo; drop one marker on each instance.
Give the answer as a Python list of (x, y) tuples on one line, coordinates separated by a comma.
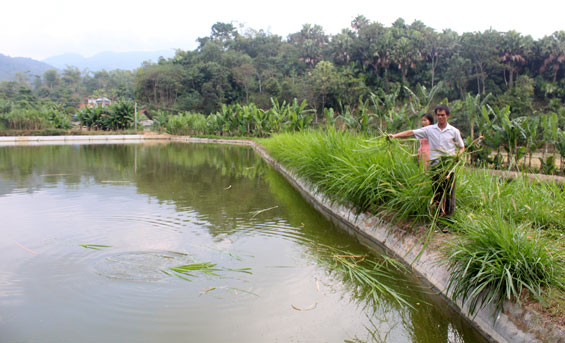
[(443, 139)]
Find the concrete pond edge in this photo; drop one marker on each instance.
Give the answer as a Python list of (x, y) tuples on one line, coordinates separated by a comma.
[(515, 325)]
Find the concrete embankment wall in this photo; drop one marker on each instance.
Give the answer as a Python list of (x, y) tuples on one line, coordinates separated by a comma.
[(516, 325)]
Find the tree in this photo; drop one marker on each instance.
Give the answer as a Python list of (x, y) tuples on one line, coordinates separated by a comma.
[(515, 50), (553, 51), (222, 33), (458, 73), (311, 42), (367, 47), (438, 48), (325, 79), (244, 75), (341, 46), (405, 52), (481, 48), (51, 78), (72, 78)]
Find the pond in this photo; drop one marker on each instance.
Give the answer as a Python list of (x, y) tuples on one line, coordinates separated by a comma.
[(176, 242)]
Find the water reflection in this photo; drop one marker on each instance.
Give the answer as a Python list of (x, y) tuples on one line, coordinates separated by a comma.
[(153, 205)]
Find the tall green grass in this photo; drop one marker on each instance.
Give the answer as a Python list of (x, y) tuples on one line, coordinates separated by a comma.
[(383, 177), (496, 260), (371, 174)]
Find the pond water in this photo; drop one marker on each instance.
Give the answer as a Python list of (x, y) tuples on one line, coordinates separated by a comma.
[(91, 236)]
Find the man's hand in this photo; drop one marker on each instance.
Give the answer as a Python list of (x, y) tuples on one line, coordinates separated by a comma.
[(403, 134)]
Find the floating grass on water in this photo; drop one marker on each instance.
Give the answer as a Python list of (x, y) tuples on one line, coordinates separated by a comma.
[(233, 290), (207, 290), (256, 213), (373, 278), (27, 249), (309, 308), (94, 246), (188, 271)]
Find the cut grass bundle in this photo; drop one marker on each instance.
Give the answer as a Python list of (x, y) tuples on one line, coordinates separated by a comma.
[(495, 260)]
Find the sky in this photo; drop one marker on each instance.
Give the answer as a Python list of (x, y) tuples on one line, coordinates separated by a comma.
[(41, 28)]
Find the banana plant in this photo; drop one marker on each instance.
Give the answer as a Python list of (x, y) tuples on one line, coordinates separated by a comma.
[(513, 133), (384, 105), (420, 100), (473, 106), (279, 114), (349, 120), (298, 116), (531, 129), (121, 116), (492, 132), (260, 121), (398, 119), (364, 115), (329, 117), (549, 125), (160, 119)]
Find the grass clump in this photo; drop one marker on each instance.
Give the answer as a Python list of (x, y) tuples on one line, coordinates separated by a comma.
[(496, 260)]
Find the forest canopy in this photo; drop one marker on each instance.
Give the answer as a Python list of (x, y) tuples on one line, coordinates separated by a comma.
[(243, 65)]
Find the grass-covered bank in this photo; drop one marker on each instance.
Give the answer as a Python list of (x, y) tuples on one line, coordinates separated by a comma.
[(506, 240)]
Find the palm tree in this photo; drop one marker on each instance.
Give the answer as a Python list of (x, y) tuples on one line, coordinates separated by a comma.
[(515, 49)]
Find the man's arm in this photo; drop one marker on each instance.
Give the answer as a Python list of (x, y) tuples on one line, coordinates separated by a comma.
[(403, 134)]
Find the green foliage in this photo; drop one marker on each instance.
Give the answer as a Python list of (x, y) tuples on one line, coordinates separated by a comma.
[(5, 107), (547, 165), (496, 260), (185, 124), (160, 120), (118, 116), (31, 117), (247, 120)]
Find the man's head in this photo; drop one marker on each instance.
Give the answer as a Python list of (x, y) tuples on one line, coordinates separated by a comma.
[(442, 114)]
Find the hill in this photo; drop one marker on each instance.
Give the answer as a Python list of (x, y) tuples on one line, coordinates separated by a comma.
[(9, 66), (108, 60)]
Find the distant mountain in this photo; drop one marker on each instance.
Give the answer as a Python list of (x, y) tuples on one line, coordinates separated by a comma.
[(9, 66), (108, 60)]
